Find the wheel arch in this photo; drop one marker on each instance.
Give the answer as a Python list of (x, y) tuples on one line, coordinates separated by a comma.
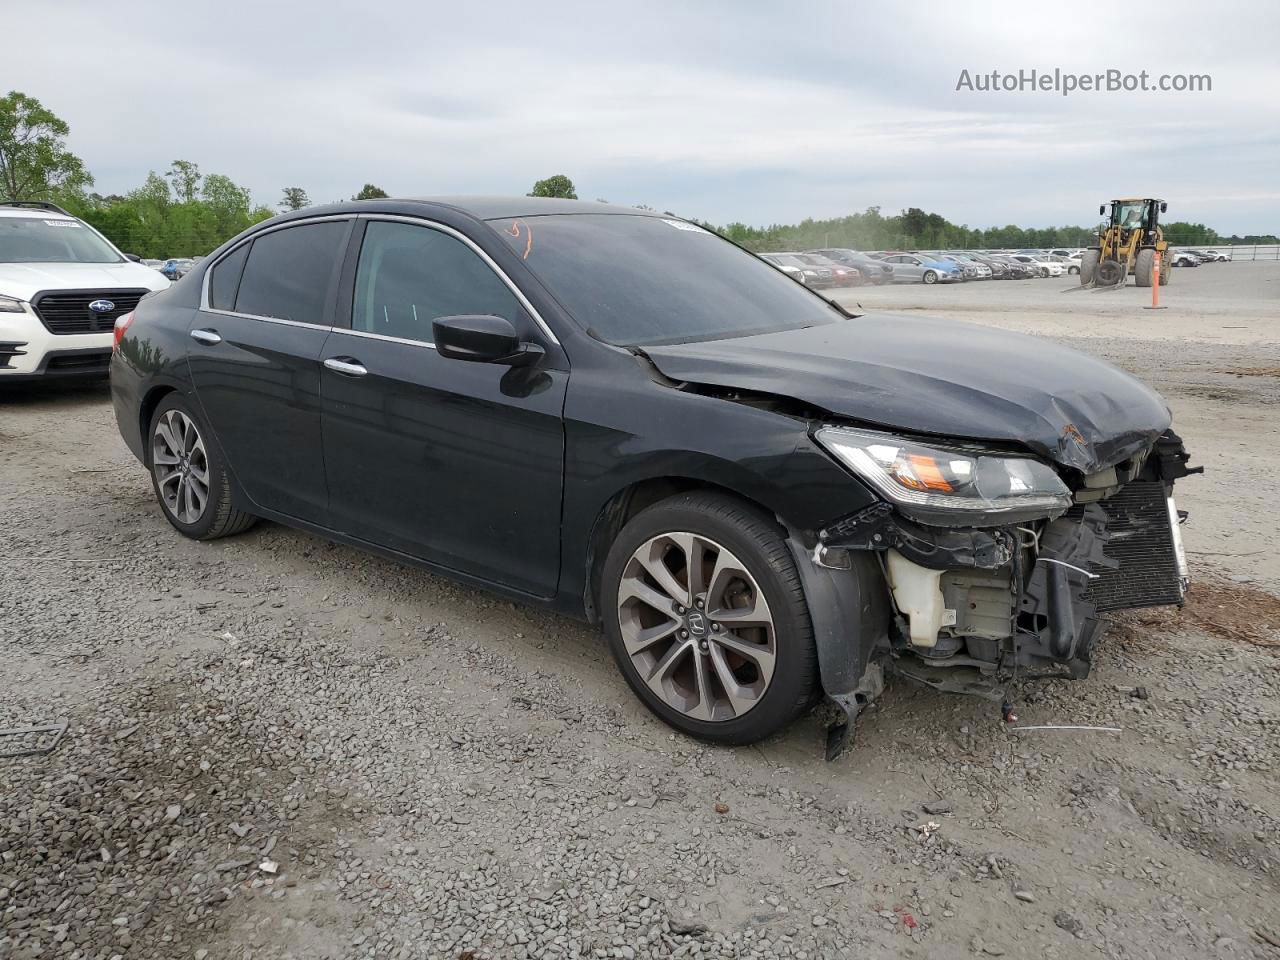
[(628, 502), (151, 400)]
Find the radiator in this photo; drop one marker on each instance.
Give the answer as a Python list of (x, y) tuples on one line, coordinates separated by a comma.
[(1140, 539)]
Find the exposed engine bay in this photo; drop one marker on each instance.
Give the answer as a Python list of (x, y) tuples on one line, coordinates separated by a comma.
[(972, 609)]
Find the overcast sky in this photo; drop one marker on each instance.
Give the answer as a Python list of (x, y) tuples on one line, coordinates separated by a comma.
[(760, 112)]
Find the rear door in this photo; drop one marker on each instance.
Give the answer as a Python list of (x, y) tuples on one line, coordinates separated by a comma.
[(254, 355), (906, 268), (456, 462)]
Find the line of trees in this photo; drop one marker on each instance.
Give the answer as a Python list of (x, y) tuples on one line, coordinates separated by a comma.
[(180, 214), (914, 229)]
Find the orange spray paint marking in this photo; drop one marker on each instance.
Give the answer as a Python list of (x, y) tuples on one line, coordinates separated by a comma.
[(514, 231)]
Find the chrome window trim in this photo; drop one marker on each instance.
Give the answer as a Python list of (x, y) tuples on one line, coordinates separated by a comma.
[(492, 264), (208, 273), (280, 320), (383, 336)]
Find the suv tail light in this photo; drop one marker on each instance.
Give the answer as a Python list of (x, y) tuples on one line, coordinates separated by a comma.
[(122, 324)]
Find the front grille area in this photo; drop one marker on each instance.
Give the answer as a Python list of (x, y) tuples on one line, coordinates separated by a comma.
[(1140, 539), (67, 313)]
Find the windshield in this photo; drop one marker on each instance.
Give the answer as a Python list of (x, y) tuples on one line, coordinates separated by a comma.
[(636, 280), (36, 240), (1130, 214)]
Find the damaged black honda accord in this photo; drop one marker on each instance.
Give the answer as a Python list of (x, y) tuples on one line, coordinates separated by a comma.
[(759, 497)]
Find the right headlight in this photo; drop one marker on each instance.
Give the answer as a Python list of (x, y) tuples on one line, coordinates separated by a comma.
[(949, 486), (11, 305)]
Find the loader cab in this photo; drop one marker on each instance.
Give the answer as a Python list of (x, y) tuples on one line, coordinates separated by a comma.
[(1134, 214)]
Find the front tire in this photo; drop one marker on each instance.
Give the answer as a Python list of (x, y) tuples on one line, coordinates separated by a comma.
[(1143, 267), (188, 476), (930, 276), (706, 618)]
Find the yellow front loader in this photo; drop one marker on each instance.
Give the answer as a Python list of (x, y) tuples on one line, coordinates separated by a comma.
[(1127, 244)]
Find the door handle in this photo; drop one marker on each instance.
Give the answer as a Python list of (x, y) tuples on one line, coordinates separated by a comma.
[(345, 366), (207, 337)]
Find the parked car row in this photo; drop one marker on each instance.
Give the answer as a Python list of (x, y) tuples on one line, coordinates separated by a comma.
[(1193, 258), (823, 268)]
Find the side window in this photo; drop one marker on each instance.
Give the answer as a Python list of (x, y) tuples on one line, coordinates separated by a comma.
[(409, 275), (225, 278), (288, 272)]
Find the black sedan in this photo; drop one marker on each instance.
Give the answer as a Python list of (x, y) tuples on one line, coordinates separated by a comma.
[(620, 415)]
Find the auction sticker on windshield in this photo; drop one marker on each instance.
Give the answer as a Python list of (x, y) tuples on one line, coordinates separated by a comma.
[(682, 225)]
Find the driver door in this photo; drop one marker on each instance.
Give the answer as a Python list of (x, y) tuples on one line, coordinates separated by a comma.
[(455, 462)]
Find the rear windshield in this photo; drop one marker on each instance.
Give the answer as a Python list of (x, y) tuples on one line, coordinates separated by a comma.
[(636, 280), (36, 240)]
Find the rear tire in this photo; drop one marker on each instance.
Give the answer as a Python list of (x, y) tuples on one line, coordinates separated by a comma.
[(678, 650), (1143, 265), (188, 475)]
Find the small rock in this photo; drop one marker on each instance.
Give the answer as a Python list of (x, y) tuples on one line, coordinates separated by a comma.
[(1025, 896), (1069, 923), (937, 808), (688, 928), (721, 808), (172, 812), (819, 921)]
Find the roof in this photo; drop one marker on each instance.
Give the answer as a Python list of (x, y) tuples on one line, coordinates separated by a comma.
[(34, 208), (498, 208), (34, 214)]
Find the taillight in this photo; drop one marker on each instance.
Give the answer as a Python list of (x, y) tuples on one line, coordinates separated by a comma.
[(122, 324)]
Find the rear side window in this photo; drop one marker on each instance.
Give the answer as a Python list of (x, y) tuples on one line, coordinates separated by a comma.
[(409, 276), (225, 278), (289, 271)]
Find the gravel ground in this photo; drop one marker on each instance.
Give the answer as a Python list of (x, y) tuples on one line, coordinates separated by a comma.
[(278, 747)]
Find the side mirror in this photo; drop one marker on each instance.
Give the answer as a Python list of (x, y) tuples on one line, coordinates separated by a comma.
[(482, 339), (1164, 207), (1102, 209), (134, 257)]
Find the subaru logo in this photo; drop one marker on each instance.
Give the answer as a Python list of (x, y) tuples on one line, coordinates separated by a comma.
[(102, 306)]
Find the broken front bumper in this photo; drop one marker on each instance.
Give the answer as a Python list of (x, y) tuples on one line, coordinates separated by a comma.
[(970, 608)]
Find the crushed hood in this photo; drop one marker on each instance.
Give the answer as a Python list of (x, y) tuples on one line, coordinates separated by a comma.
[(940, 377)]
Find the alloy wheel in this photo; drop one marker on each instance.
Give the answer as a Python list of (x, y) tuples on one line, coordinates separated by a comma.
[(697, 626), (180, 466)]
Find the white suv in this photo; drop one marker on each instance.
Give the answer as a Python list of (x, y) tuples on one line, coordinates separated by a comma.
[(62, 286)]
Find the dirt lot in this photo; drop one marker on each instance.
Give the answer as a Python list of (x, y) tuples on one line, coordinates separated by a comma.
[(279, 747)]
